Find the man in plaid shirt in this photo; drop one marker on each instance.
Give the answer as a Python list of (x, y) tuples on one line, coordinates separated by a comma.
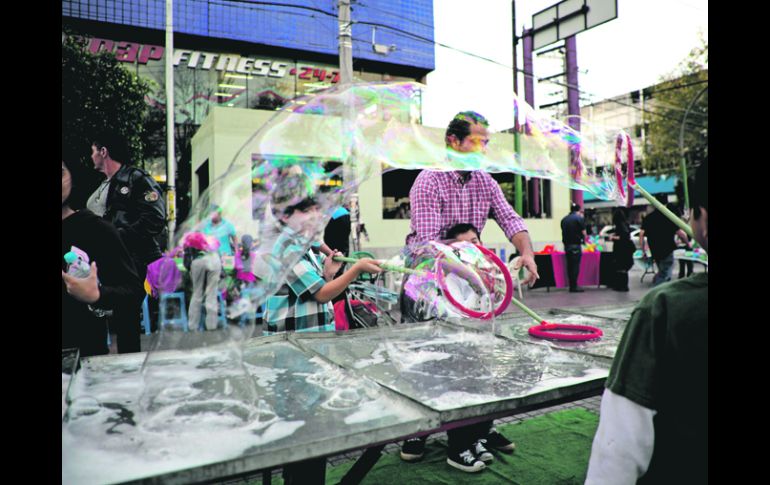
[(441, 200)]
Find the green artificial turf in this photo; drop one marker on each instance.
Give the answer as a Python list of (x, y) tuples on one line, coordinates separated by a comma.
[(552, 449)]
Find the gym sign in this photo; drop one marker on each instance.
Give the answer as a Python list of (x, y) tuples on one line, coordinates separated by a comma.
[(143, 53)]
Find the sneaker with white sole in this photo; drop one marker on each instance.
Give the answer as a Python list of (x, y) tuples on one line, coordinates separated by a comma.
[(413, 449), (496, 441), (466, 461), (481, 451)]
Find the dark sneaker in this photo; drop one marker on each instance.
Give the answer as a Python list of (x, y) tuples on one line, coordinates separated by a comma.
[(413, 449), (466, 461), (481, 451), (499, 442)]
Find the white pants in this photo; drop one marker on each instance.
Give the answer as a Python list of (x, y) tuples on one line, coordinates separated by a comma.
[(204, 272)]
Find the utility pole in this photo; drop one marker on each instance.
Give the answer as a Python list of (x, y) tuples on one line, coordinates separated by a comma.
[(170, 157), (573, 104), (529, 97), (644, 130), (516, 140), (345, 40), (562, 21)]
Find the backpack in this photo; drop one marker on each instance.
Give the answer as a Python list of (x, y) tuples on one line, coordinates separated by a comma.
[(189, 255), (364, 314)]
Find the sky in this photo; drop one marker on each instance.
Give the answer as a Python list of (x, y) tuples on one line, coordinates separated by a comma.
[(647, 40)]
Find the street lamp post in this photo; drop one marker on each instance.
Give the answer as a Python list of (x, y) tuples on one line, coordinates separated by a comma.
[(681, 148), (345, 44), (170, 152)]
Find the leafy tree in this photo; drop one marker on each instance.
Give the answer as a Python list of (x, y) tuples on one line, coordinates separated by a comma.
[(99, 94), (684, 89)]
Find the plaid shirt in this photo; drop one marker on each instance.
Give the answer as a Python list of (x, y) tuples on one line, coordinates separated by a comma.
[(440, 200), (293, 307)]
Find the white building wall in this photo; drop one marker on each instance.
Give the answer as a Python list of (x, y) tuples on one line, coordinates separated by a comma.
[(225, 131)]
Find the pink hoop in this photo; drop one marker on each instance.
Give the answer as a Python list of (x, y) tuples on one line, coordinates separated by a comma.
[(544, 331), (630, 168), (506, 276), (473, 313)]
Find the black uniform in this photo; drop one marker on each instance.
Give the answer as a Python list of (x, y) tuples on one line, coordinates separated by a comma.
[(136, 208)]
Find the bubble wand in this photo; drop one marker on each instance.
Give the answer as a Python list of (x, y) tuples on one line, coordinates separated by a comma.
[(543, 330), (484, 282), (546, 329), (633, 185), (386, 267)]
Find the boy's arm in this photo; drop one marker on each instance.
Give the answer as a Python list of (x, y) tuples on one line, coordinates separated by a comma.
[(338, 285), (335, 286), (625, 439)]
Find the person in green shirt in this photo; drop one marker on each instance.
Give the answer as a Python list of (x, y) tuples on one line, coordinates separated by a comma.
[(654, 413), (222, 229)]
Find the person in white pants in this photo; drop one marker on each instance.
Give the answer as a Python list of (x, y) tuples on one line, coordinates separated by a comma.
[(204, 272)]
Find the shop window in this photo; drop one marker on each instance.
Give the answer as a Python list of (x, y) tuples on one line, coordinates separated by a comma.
[(396, 184)]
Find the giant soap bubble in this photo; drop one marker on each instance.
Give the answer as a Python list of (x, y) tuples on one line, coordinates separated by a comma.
[(365, 129), (279, 192)]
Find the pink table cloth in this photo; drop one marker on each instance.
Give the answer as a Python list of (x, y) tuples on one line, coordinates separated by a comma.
[(589, 269)]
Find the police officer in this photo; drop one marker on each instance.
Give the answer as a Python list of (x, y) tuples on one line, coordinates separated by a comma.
[(133, 202)]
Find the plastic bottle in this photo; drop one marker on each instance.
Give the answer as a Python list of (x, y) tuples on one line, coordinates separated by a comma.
[(77, 263), (79, 267)]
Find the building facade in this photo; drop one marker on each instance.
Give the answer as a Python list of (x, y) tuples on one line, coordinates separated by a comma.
[(235, 57), (251, 54)]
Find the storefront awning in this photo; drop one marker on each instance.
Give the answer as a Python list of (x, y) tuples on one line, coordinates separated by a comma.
[(653, 185)]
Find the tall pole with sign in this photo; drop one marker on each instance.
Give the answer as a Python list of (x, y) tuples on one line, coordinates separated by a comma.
[(573, 110), (170, 158), (562, 21), (529, 97)]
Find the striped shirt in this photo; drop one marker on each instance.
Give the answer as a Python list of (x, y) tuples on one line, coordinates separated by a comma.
[(293, 307), (439, 200)]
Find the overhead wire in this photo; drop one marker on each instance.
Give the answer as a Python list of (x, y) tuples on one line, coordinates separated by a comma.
[(435, 42)]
